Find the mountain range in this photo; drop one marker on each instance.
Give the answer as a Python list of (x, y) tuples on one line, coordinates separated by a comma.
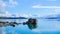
[(55, 16), (13, 18)]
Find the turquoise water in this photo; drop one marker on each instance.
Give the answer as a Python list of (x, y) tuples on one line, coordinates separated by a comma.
[(44, 26)]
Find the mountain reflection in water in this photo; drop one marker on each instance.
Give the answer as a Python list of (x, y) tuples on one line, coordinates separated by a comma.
[(32, 23)]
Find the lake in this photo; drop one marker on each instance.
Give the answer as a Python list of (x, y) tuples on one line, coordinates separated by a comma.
[(44, 26)]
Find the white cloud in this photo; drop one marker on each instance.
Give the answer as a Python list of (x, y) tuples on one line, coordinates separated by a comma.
[(30, 15), (12, 3), (57, 10), (6, 14), (39, 6), (3, 11), (3, 5), (26, 15)]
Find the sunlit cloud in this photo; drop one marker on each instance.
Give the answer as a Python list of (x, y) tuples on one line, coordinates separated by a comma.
[(38, 6)]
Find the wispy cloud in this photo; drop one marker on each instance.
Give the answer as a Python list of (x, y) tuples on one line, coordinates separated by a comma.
[(57, 10), (12, 3), (30, 15), (51, 0), (3, 5), (39, 6), (26, 15)]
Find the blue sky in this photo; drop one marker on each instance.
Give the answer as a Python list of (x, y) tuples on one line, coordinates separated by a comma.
[(30, 7)]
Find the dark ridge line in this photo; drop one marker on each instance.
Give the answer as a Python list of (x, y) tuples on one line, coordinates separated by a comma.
[(12, 18)]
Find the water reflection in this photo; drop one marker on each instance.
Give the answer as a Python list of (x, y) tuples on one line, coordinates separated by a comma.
[(32, 23), (29, 26)]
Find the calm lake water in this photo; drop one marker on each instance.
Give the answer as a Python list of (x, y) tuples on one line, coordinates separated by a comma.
[(44, 26)]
